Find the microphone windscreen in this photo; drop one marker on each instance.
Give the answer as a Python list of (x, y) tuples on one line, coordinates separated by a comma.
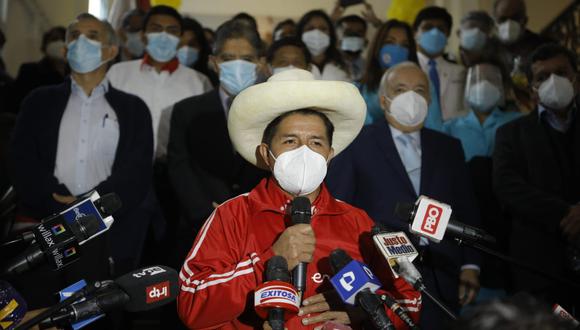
[(301, 210), (277, 269), (338, 260), (85, 227), (149, 287), (404, 210), (12, 306), (108, 204)]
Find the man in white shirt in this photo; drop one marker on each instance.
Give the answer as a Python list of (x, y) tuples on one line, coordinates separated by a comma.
[(432, 27), (158, 79)]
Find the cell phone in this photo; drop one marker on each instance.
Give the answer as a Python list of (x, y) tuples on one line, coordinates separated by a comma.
[(346, 3)]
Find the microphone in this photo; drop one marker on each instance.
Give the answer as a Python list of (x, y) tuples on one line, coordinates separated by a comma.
[(355, 283), (57, 243), (400, 311), (12, 306), (432, 219), (141, 290), (411, 275), (393, 245), (301, 214), (276, 295), (563, 314)]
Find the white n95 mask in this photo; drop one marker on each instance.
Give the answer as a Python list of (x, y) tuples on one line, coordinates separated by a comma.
[(299, 171), (556, 92), (408, 109)]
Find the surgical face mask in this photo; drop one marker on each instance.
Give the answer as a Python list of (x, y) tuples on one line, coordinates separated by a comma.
[(433, 41), (509, 31), (134, 44), (408, 109), (556, 92), (54, 49), (316, 41), (187, 55), (299, 171), (237, 75), (391, 55), (473, 39), (162, 46), (282, 69), (84, 55), (483, 96), (352, 44)]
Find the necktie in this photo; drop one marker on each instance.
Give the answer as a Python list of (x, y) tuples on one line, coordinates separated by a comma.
[(411, 159), (434, 77)]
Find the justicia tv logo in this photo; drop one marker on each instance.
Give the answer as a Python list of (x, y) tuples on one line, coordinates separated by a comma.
[(78, 213)]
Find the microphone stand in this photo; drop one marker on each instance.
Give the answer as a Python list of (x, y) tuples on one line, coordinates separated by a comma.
[(515, 262)]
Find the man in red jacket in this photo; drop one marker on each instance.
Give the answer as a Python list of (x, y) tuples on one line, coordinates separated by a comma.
[(292, 125)]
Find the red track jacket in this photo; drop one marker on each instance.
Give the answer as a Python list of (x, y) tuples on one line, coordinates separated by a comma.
[(227, 259)]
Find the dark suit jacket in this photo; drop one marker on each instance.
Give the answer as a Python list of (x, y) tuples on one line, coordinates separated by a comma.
[(529, 183), (202, 164), (33, 157), (370, 174)]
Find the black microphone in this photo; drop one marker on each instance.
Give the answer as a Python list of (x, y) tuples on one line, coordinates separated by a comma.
[(141, 290), (408, 213), (301, 213), (57, 242), (400, 311), (364, 298), (277, 270)]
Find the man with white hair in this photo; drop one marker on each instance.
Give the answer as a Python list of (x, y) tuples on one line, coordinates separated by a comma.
[(291, 125), (395, 161)]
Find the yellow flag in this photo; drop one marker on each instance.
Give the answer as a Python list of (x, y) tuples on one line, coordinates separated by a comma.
[(405, 10), (171, 3)]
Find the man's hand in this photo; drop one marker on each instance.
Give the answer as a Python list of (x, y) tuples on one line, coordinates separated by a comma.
[(369, 15), (331, 308), (571, 224), (64, 199), (296, 244), (468, 286), (337, 11)]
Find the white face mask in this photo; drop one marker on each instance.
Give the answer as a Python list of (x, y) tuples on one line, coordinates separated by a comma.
[(283, 68), (408, 109), (316, 41), (352, 44), (509, 31), (556, 92), (483, 96), (300, 171), (55, 49)]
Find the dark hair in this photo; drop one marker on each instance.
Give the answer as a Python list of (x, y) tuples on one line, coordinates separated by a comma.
[(548, 51), (57, 31), (289, 41), (373, 70), (234, 29), (480, 16), (130, 14), (288, 21), (272, 127), (245, 17), (332, 53), (522, 3), (162, 10), (433, 12), (190, 24), (352, 19)]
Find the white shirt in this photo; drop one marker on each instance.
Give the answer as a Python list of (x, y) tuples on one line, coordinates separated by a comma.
[(87, 139), (330, 72), (160, 91), (451, 85)]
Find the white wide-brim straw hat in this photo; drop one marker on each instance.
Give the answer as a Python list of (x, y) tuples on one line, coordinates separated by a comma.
[(255, 107)]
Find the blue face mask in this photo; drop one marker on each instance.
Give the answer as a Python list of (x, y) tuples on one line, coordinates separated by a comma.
[(162, 46), (391, 55), (433, 41), (134, 44), (473, 39), (84, 55), (237, 75), (187, 55)]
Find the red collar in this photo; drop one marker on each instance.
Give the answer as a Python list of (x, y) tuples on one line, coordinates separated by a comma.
[(170, 66), (268, 196)]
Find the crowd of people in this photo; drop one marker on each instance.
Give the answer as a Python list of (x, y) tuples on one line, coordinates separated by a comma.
[(206, 137)]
